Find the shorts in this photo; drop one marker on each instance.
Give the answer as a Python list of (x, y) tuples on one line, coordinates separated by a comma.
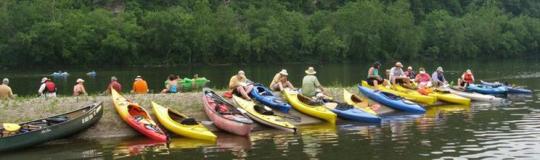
[(370, 81)]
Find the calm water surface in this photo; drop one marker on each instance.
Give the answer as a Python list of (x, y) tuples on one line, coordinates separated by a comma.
[(482, 131)]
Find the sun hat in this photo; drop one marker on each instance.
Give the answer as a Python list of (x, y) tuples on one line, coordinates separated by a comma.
[(44, 79), (469, 71), (113, 78), (284, 72), (311, 71), (5, 81), (440, 69), (80, 80), (138, 77), (398, 64)]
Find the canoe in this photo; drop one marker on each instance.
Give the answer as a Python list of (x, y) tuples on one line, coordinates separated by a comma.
[(350, 112), (511, 89), (476, 96), (442, 96), (188, 84), (485, 89), (137, 117), (304, 104), (181, 124), (268, 98), (263, 115), (359, 102), (229, 118), (391, 100), (43, 130), (412, 96)]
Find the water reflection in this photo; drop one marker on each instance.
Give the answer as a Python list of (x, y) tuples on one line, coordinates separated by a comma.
[(313, 136), (138, 147)]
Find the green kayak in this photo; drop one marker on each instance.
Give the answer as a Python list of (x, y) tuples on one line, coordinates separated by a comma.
[(188, 84)]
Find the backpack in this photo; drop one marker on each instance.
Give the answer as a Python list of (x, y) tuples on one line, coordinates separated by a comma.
[(50, 86)]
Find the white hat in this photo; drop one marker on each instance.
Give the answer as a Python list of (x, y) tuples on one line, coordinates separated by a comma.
[(440, 69), (80, 80), (398, 64), (138, 77), (311, 70), (5, 81), (468, 71), (284, 72), (44, 79), (410, 67)]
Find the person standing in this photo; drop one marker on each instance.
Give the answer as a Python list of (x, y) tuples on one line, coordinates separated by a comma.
[(114, 84), (438, 77), (5, 90), (79, 89), (239, 85), (310, 84), (47, 88), (140, 86), (281, 81)]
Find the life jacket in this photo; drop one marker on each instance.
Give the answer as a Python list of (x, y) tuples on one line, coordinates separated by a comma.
[(468, 78), (50, 87), (173, 89)]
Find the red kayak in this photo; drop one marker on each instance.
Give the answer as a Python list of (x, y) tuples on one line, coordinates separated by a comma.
[(137, 117), (224, 115)]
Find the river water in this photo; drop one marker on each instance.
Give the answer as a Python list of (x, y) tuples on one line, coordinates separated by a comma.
[(481, 131)]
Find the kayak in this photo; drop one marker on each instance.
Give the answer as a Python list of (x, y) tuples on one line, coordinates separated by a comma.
[(412, 96), (224, 115), (188, 84), (391, 100), (307, 106), (27, 134), (267, 97), (485, 89), (181, 124), (442, 96), (359, 102), (510, 89), (263, 115), (137, 117), (476, 96), (350, 112)]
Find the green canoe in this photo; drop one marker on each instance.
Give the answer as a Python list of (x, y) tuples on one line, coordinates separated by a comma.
[(47, 129), (188, 84)]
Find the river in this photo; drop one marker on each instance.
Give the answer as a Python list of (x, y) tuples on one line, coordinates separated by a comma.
[(479, 131)]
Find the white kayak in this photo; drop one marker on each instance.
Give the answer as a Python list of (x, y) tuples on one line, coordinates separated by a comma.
[(477, 96)]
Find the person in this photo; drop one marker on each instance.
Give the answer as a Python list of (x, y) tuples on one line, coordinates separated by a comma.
[(171, 84), (47, 88), (423, 79), (114, 84), (311, 86), (438, 77), (140, 86), (373, 77), (466, 78), (79, 89), (239, 85), (410, 73), (5, 90), (281, 81), (397, 76)]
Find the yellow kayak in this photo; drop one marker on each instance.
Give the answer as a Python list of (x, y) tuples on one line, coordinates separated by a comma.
[(300, 103), (358, 102), (434, 111), (181, 124), (412, 96), (446, 97), (263, 115)]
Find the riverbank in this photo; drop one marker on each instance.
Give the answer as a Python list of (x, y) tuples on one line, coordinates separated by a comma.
[(24, 109)]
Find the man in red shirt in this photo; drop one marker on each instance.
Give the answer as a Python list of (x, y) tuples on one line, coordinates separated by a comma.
[(115, 85)]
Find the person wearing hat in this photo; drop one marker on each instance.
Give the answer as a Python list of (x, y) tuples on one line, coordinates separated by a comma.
[(79, 89), (281, 81), (114, 84), (397, 76), (140, 86), (310, 84), (5, 90), (410, 73), (47, 88), (239, 84), (373, 77), (438, 77), (423, 79), (466, 78)]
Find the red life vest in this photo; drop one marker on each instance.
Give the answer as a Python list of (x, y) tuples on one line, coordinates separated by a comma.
[(468, 78), (50, 87)]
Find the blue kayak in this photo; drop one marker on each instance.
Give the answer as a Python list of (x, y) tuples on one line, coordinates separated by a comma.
[(510, 89), (266, 97), (486, 89), (391, 100), (349, 112)]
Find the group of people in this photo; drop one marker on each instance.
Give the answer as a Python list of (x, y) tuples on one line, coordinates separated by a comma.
[(411, 79)]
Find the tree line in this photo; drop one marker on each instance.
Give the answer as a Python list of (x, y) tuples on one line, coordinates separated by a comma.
[(134, 32)]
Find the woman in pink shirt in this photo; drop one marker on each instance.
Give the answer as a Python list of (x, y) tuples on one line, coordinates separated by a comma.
[(423, 79)]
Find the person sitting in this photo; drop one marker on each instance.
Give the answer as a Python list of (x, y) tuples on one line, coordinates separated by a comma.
[(5, 90), (397, 76), (79, 89), (466, 78), (373, 77), (47, 88), (281, 81), (311, 86), (140, 86), (239, 85), (423, 79), (437, 77), (171, 84), (410, 73), (114, 84)]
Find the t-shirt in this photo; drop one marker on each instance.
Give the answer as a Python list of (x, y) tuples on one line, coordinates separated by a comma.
[(140, 87), (78, 89), (423, 77), (235, 82), (5, 92), (116, 86), (275, 79), (438, 77), (396, 72), (310, 83)]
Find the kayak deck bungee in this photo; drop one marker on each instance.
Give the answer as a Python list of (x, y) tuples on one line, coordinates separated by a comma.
[(350, 112), (224, 115), (446, 97), (137, 117), (181, 124), (359, 102), (267, 117), (299, 102), (268, 98), (391, 100), (412, 96)]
